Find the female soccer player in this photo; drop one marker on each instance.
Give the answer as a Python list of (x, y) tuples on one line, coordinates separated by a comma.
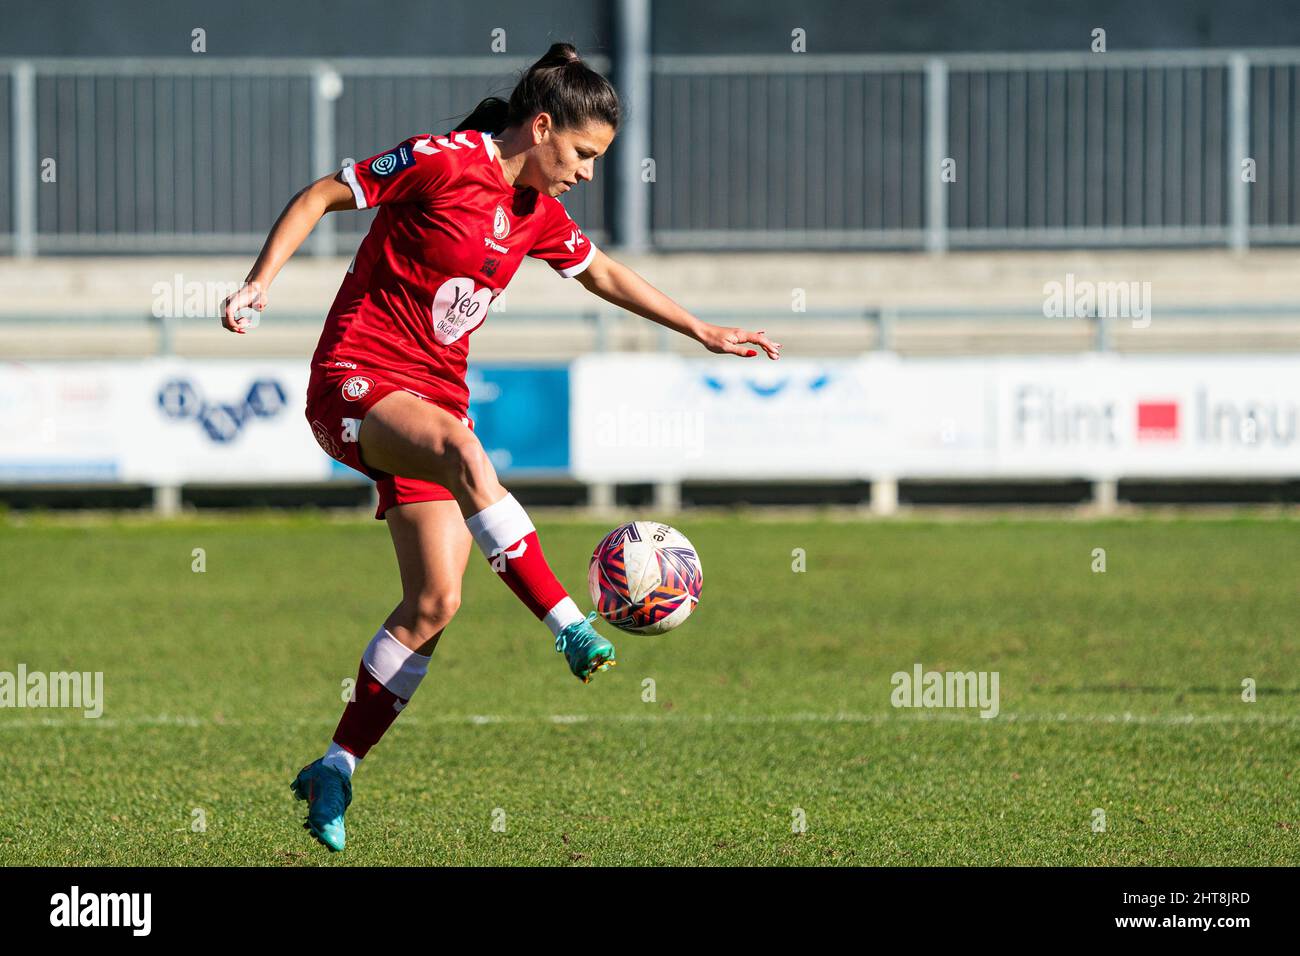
[(387, 396)]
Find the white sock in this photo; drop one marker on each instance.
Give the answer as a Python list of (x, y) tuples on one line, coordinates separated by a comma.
[(394, 664), (340, 759), (499, 525), (502, 524), (562, 615)]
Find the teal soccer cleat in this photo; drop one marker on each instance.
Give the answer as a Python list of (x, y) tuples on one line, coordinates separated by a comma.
[(328, 794), (586, 651)]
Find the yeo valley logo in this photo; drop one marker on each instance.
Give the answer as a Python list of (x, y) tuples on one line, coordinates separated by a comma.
[(458, 309)]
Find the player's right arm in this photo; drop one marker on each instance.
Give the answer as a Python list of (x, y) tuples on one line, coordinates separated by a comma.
[(412, 171), (327, 194)]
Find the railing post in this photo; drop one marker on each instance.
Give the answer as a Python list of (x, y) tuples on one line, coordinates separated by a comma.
[(601, 496), (167, 500), (1101, 331), (632, 69), (1238, 149), (663, 339), (166, 334), (668, 496), (23, 111), (884, 495), (326, 86), (936, 146), (885, 319), (1105, 494)]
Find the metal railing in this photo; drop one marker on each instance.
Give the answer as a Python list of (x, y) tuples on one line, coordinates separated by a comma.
[(605, 327), (978, 150), (1129, 148), (787, 151), (201, 154)]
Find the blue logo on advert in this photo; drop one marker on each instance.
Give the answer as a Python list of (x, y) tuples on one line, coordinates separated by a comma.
[(765, 390), (180, 400)]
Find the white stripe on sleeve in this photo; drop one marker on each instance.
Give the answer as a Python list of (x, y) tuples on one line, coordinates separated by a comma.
[(581, 266), (350, 177)]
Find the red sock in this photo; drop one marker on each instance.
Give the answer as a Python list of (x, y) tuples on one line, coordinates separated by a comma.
[(507, 537), (388, 676)]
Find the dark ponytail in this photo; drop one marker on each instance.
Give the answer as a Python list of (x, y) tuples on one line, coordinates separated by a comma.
[(489, 116), (560, 84)]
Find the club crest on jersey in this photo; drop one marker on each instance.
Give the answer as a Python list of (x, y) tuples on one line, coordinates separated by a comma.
[(500, 223), (393, 162), (358, 386)]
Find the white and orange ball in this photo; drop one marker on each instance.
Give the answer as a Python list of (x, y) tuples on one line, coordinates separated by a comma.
[(645, 577)]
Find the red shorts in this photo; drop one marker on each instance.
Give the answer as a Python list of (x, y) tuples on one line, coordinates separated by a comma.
[(338, 398)]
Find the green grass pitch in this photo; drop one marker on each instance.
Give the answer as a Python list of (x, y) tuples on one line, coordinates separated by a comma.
[(1120, 692)]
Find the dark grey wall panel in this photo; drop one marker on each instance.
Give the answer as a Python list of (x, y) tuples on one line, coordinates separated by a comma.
[(298, 27), (932, 26)]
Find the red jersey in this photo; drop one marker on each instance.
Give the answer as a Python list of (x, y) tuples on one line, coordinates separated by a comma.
[(449, 235)]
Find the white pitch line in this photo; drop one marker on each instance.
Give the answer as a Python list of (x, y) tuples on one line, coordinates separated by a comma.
[(843, 717)]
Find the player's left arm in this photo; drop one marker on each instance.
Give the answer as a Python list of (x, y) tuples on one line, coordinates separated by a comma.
[(616, 283)]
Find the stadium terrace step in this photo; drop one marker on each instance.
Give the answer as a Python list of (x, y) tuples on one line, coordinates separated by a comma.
[(44, 313), (716, 280)]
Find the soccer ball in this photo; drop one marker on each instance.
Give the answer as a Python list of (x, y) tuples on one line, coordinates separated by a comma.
[(645, 577)]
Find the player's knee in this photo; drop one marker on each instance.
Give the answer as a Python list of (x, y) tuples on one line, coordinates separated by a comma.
[(468, 464), (433, 609)]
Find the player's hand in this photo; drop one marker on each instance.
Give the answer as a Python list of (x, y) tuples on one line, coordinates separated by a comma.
[(250, 296), (717, 338)]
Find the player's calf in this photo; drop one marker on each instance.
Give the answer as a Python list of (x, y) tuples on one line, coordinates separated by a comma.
[(418, 622), (506, 536), (388, 676)]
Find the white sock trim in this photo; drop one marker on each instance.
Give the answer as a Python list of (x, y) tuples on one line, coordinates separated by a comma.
[(394, 664), (344, 761), (499, 525), (562, 615)]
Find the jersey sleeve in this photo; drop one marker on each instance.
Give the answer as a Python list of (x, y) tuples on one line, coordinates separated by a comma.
[(409, 172), (561, 243)]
